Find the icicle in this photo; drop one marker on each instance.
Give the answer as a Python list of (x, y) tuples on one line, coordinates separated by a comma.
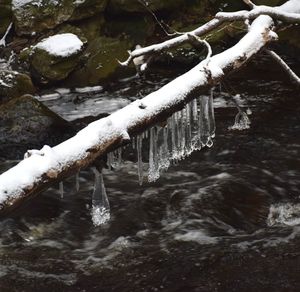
[(119, 151), (204, 125), (196, 128), (188, 130), (211, 114), (146, 134), (114, 159), (61, 189), (164, 155), (109, 160), (182, 133), (100, 205), (153, 174), (77, 183), (140, 158), (133, 143), (173, 137), (178, 136)]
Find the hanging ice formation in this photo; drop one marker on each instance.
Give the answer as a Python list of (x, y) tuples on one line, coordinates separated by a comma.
[(100, 205), (241, 121), (114, 159), (61, 189), (186, 131), (77, 183)]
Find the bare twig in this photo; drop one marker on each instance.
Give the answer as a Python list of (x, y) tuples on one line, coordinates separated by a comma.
[(292, 75), (175, 33), (250, 3)]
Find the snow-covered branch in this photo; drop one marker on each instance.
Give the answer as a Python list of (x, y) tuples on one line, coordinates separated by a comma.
[(288, 12), (274, 12), (49, 165), (174, 42)]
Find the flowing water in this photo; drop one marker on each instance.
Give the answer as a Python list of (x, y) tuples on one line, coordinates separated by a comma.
[(226, 218)]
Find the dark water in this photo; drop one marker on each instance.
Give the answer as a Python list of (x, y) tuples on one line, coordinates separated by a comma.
[(225, 219)]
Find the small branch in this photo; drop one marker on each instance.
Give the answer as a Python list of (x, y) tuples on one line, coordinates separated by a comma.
[(174, 42), (194, 38), (281, 13), (3, 40), (274, 12), (292, 75), (249, 3)]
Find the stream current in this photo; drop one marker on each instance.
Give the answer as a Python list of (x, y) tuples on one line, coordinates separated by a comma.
[(226, 218)]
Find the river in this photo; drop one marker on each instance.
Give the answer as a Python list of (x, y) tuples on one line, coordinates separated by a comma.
[(224, 219)]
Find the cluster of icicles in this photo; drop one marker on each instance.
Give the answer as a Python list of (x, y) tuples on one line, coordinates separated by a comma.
[(185, 131)]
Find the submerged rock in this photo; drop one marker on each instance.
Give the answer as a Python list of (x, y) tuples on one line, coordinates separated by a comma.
[(14, 84), (25, 123), (54, 58)]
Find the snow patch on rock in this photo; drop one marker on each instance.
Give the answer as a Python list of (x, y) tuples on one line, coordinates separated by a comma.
[(61, 45)]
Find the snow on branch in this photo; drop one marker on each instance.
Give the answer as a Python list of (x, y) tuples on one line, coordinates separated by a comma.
[(275, 12), (49, 165), (289, 12)]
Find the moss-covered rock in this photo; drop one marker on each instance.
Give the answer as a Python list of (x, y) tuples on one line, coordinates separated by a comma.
[(5, 15), (14, 84), (101, 55), (48, 67), (121, 6), (25, 123), (38, 15)]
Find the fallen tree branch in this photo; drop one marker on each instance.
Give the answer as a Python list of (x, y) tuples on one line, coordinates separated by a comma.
[(292, 75), (50, 165)]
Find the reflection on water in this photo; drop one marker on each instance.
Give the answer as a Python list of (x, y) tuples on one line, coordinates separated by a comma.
[(202, 226)]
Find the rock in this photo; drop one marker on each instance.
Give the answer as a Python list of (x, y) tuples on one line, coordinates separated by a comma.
[(25, 123), (54, 58), (121, 6), (5, 15), (35, 16), (136, 28), (101, 55), (14, 84), (88, 8), (86, 29)]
